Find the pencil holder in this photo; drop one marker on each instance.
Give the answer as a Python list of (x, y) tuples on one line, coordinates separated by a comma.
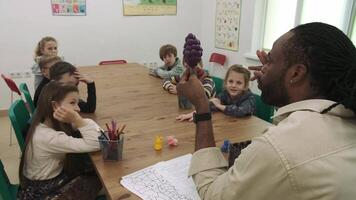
[(235, 150), (184, 103), (111, 150)]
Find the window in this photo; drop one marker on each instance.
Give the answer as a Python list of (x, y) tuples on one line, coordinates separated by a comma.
[(282, 15)]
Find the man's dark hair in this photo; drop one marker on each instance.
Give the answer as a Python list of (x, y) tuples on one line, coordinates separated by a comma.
[(330, 57), (60, 68)]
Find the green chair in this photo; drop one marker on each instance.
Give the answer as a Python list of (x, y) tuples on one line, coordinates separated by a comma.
[(8, 191), (263, 111), (219, 84), (19, 117), (26, 93)]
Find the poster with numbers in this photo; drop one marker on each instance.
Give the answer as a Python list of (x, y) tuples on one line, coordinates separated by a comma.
[(227, 24), (68, 7)]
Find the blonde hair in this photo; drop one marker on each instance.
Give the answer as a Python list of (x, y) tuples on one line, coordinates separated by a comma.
[(41, 45), (239, 69)]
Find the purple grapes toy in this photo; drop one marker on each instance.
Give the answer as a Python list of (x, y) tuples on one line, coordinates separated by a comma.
[(192, 51)]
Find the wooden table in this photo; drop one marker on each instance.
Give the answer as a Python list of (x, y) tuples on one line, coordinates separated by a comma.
[(127, 93)]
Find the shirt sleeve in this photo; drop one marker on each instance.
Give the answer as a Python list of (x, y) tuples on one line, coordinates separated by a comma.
[(90, 105), (60, 142), (258, 173), (175, 71), (247, 107), (209, 87)]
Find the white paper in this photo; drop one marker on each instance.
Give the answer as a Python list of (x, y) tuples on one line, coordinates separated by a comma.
[(165, 180)]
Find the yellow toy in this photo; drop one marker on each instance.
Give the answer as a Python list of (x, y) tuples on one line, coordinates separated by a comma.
[(158, 143)]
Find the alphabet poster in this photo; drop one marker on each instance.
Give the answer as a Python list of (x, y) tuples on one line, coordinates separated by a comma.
[(227, 24), (150, 7)]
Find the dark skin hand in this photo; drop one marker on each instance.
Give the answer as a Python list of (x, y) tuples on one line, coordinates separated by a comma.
[(191, 87)]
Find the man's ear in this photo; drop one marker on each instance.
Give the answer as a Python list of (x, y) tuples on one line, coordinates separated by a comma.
[(297, 73)]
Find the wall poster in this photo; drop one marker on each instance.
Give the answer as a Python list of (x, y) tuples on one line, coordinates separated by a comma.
[(227, 24), (68, 7), (149, 7)]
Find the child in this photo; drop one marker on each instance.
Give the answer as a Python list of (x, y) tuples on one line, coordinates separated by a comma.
[(45, 64), (67, 73), (47, 46), (169, 84), (42, 173), (236, 99), (172, 65)]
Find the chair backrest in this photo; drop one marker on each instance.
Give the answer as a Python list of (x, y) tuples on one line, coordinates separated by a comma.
[(19, 117), (8, 191), (111, 62), (11, 84), (26, 93), (263, 111), (219, 84), (217, 58)]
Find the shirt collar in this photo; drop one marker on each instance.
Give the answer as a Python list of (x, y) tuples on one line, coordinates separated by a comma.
[(314, 105)]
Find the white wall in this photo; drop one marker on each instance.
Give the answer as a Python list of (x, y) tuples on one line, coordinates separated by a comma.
[(106, 34), (245, 35), (85, 40)]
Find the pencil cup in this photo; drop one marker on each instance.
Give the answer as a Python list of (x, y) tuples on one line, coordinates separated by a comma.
[(111, 149), (235, 150), (184, 103)]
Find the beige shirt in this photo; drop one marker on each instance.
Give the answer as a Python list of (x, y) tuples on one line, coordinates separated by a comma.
[(308, 155), (46, 152)]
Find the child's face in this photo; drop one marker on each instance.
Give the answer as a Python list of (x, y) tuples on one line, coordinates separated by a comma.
[(235, 83), (50, 49), (169, 59), (71, 101), (69, 78)]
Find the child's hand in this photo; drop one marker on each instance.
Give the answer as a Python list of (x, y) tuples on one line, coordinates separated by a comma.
[(152, 71), (184, 117), (67, 115), (215, 101), (172, 89), (82, 77)]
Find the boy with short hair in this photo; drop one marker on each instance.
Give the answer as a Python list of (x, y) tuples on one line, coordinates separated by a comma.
[(172, 65)]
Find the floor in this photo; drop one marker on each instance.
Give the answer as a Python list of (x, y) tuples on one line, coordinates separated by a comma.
[(9, 154)]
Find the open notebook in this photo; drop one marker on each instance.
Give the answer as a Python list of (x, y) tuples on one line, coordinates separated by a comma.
[(164, 180)]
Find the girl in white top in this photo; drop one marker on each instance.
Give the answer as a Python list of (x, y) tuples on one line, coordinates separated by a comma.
[(42, 174), (47, 46)]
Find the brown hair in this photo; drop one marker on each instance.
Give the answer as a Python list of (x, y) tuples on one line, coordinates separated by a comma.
[(60, 68), (53, 91), (42, 43), (239, 69), (44, 60), (167, 49)]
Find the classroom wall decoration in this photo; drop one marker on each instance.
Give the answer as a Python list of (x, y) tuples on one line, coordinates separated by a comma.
[(68, 7), (227, 24), (149, 7)]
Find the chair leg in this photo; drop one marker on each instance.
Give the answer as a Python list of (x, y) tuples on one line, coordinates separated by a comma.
[(12, 100)]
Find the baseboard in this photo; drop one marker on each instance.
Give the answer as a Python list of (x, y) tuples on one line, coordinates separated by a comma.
[(3, 113)]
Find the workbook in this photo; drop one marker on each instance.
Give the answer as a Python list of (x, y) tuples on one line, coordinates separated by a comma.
[(163, 181)]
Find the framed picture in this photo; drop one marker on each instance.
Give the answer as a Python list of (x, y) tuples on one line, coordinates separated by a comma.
[(68, 7), (149, 7), (227, 24)]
